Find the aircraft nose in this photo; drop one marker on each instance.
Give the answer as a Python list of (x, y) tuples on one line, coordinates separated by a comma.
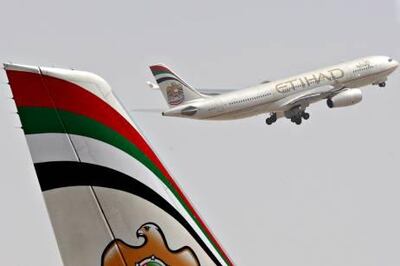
[(395, 63)]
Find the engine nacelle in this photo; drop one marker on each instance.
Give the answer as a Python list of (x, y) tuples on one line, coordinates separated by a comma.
[(345, 98)]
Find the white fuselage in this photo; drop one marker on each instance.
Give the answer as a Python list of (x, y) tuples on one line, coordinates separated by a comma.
[(273, 96)]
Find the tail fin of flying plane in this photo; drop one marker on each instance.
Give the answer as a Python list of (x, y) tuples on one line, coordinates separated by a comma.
[(110, 199), (174, 89)]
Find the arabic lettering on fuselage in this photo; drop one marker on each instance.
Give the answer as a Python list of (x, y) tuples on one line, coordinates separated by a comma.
[(364, 64), (306, 81)]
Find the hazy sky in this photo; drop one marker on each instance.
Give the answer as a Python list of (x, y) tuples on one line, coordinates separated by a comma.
[(323, 193)]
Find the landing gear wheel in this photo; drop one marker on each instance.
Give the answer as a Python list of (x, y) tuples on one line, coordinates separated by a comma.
[(296, 119), (274, 117), (382, 84), (305, 115), (269, 121)]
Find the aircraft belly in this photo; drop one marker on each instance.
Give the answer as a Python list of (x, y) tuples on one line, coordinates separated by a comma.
[(243, 113), (362, 82)]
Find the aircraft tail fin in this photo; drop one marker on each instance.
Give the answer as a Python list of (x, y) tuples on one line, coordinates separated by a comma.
[(110, 199), (174, 89)]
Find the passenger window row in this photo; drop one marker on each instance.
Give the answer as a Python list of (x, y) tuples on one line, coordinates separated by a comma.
[(250, 99), (362, 69)]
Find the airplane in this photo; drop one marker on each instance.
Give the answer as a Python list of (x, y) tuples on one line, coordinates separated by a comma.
[(338, 85), (110, 199)]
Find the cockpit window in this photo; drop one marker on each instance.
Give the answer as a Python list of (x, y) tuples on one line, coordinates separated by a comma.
[(390, 59)]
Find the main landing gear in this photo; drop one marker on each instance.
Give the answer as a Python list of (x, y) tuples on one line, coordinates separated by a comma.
[(305, 115), (382, 84), (297, 119), (272, 119), (295, 115)]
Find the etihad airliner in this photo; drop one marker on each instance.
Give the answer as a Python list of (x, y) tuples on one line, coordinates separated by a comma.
[(339, 85)]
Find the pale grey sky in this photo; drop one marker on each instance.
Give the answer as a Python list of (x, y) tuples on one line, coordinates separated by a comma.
[(323, 193)]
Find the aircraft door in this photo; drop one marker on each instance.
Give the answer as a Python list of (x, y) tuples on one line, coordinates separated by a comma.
[(221, 106)]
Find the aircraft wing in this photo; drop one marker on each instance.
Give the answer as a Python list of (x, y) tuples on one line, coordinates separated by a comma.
[(110, 199), (308, 97)]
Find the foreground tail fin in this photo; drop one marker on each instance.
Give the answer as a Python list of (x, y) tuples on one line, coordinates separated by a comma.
[(174, 89), (110, 199)]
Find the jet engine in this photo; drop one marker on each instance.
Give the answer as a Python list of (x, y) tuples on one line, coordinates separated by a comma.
[(345, 98)]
